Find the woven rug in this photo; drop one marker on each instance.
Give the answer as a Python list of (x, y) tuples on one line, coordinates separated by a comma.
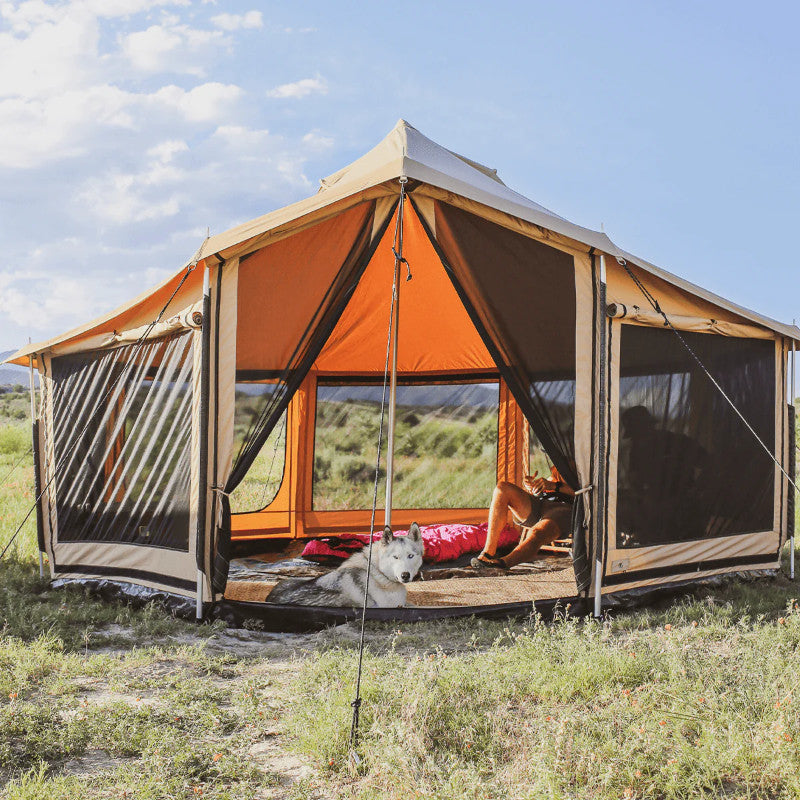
[(478, 590)]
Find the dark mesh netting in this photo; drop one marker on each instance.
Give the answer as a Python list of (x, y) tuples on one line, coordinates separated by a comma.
[(262, 481), (688, 467), (122, 421), (521, 296)]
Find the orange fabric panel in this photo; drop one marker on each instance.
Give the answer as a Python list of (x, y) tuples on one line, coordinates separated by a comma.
[(305, 451), (512, 439), (327, 523), (282, 285), (436, 333)]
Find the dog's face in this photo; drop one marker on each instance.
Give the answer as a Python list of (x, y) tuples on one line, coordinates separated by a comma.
[(401, 556)]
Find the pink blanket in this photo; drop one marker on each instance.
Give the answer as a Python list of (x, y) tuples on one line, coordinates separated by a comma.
[(442, 542)]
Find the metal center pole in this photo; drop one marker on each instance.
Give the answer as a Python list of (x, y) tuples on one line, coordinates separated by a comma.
[(392, 399), (398, 260)]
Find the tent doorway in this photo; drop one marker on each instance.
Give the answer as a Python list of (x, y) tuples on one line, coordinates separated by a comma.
[(460, 427)]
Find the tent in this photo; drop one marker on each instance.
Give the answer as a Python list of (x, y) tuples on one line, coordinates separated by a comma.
[(269, 344)]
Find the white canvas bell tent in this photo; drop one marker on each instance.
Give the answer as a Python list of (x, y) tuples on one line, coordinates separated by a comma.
[(142, 436)]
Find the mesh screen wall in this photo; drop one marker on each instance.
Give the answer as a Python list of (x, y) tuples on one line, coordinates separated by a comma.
[(263, 480), (522, 296), (122, 421), (688, 467), (445, 445)]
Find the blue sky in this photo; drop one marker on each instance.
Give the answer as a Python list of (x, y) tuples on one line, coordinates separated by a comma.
[(129, 127)]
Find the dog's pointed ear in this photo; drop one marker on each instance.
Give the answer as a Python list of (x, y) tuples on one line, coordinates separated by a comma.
[(387, 535), (415, 533)]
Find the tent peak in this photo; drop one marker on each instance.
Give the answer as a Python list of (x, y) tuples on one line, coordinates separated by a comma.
[(402, 147), (404, 127)]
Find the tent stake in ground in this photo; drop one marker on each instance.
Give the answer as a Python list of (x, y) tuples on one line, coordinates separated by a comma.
[(152, 424)]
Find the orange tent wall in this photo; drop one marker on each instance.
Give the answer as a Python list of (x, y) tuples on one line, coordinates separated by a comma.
[(436, 338), (436, 334)]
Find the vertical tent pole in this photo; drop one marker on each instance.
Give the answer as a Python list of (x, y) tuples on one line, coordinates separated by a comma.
[(602, 450), (392, 399), (792, 439), (35, 428), (398, 260), (204, 405)]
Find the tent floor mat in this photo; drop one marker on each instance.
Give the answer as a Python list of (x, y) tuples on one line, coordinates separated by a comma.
[(479, 590)]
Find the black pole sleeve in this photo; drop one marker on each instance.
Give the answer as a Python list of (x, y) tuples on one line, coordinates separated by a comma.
[(37, 487)]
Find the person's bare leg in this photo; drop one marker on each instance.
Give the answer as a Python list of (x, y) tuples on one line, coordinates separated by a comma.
[(507, 496), (543, 532)]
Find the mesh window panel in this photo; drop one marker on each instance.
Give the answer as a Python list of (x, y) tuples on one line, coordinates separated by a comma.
[(122, 422), (445, 446), (522, 297), (264, 477), (688, 467)]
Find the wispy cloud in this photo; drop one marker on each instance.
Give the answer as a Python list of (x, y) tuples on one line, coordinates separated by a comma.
[(235, 22), (299, 89), (172, 47)]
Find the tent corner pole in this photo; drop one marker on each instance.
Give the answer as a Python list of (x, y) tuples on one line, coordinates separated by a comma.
[(198, 611), (205, 361), (35, 445), (602, 450), (794, 444)]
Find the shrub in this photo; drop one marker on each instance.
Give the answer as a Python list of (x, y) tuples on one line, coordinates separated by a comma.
[(14, 439)]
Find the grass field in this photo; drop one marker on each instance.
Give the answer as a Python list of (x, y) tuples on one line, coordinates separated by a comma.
[(445, 457), (694, 698)]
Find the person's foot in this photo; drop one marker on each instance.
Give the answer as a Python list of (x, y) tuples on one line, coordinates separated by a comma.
[(485, 561)]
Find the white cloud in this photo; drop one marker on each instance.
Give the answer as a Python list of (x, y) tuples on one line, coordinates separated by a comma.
[(208, 102), (235, 22), (172, 47), (299, 89), (242, 158), (317, 140), (126, 8), (150, 194), (115, 157), (40, 131), (57, 49), (122, 198), (39, 300), (166, 151)]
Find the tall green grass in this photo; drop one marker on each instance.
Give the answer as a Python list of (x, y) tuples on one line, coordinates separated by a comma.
[(696, 707)]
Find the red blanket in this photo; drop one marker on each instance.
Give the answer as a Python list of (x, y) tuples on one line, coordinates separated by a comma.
[(442, 542)]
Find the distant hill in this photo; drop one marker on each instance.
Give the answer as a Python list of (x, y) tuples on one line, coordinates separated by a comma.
[(13, 374)]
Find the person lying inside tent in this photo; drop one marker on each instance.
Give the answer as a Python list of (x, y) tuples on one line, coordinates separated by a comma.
[(543, 508)]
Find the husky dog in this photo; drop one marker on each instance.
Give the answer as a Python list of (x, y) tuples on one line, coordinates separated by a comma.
[(396, 560)]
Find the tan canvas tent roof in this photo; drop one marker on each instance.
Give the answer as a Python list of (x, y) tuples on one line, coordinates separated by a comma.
[(404, 152)]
